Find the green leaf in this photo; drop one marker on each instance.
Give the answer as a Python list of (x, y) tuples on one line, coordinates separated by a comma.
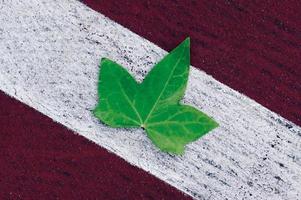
[(155, 103), (165, 84), (171, 127), (116, 90)]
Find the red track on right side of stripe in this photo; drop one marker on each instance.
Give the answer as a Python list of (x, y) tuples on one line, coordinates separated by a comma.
[(252, 46)]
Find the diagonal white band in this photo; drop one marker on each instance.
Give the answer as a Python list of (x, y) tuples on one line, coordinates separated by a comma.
[(50, 52)]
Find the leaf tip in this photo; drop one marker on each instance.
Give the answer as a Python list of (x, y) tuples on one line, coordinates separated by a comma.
[(215, 124), (188, 39), (186, 42), (103, 59)]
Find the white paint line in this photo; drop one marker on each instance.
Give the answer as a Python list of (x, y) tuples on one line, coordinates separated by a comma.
[(50, 52)]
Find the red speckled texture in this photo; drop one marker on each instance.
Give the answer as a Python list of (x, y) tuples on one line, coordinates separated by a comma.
[(40, 159), (252, 46)]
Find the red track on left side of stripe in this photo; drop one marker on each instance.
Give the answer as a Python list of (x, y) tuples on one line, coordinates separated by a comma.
[(41, 159)]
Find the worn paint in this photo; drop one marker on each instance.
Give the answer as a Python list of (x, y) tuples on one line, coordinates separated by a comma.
[(50, 54)]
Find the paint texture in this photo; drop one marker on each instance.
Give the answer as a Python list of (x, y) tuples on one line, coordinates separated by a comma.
[(252, 46), (51, 54)]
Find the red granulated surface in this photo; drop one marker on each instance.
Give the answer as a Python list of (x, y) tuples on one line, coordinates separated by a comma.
[(41, 159), (252, 46)]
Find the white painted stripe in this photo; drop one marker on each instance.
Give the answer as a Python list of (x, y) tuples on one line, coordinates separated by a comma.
[(50, 52)]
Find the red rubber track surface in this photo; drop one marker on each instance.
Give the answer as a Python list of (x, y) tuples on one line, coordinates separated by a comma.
[(252, 46), (41, 159)]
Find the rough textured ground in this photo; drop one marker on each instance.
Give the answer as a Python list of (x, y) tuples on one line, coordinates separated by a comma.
[(51, 52), (41, 159), (252, 46)]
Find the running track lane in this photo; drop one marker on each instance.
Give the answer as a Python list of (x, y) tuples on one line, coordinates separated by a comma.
[(252, 46), (41, 159)]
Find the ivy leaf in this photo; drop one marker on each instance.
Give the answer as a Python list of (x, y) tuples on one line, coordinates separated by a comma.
[(165, 84), (153, 104), (171, 127), (117, 90)]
